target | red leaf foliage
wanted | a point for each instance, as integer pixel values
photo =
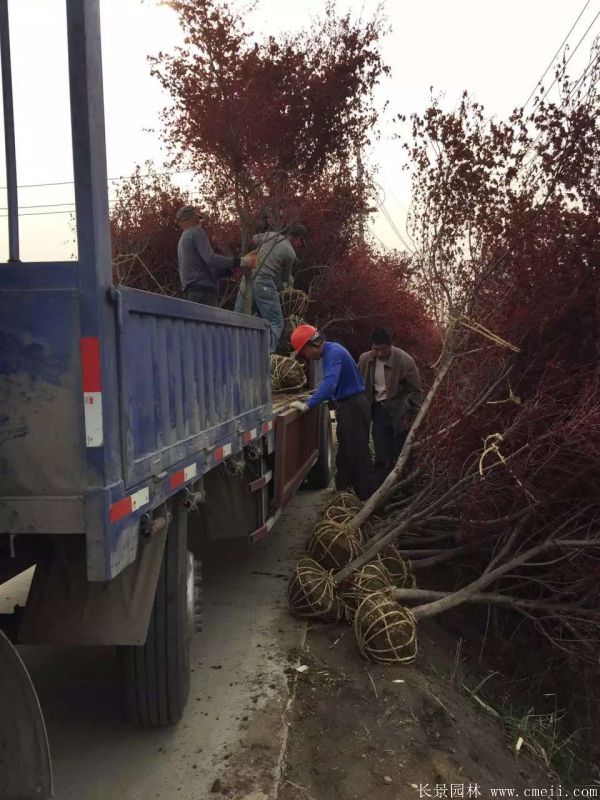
(364, 290)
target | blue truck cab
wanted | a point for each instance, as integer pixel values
(133, 427)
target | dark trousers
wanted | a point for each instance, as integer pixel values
(388, 442)
(354, 469)
(200, 296)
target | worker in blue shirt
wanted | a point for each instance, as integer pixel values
(343, 384)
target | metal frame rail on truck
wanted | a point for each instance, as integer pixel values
(122, 414)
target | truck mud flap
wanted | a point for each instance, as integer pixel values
(25, 767)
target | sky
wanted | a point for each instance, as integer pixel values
(496, 50)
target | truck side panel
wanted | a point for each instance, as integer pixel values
(190, 376)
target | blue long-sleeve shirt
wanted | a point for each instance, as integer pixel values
(341, 377)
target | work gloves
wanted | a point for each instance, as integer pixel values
(249, 260)
(299, 406)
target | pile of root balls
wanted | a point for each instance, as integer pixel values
(294, 305)
(288, 375)
(385, 631)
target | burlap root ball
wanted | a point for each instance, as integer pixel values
(312, 592)
(399, 568)
(385, 631)
(294, 302)
(286, 374)
(333, 545)
(373, 577)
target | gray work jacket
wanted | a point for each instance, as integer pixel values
(402, 382)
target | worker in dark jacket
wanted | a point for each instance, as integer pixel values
(343, 384)
(393, 389)
(200, 268)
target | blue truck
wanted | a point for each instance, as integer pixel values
(133, 428)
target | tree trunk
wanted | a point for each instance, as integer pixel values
(493, 598)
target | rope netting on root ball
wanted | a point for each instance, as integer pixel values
(342, 516)
(385, 631)
(284, 346)
(294, 302)
(333, 545)
(373, 577)
(347, 500)
(399, 568)
(312, 592)
(286, 374)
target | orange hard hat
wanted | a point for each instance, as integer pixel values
(301, 336)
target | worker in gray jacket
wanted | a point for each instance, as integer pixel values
(393, 388)
(275, 256)
(200, 268)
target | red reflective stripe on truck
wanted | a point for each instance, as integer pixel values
(127, 505)
(183, 475)
(120, 509)
(91, 376)
(177, 479)
(91, 380)
(223, 452)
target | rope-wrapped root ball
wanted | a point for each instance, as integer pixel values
(338, 514)
(346, 500)
(286, 374)
(373, 577)
(294, 302)
(284, 345)
(386, 632)
(399, 568)
(343, 516)
(334, 545)
(312, 592)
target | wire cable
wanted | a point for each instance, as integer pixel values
(554, 57)
(577, 46)
(109, 180)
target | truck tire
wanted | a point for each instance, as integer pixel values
(156, 675)
(321, 474)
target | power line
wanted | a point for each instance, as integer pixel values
(109, 180)
(41, 213)
(553, 59)
(385, 247)
(71, 205)
(577, 46)
(588, 71)
(395, 229)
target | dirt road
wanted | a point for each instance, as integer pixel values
(356, 731)
(231, 738)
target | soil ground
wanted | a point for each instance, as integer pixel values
(256, 728)
(367, 732)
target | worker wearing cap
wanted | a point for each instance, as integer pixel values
(343, 384)
(200, 268)
(275, 258)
